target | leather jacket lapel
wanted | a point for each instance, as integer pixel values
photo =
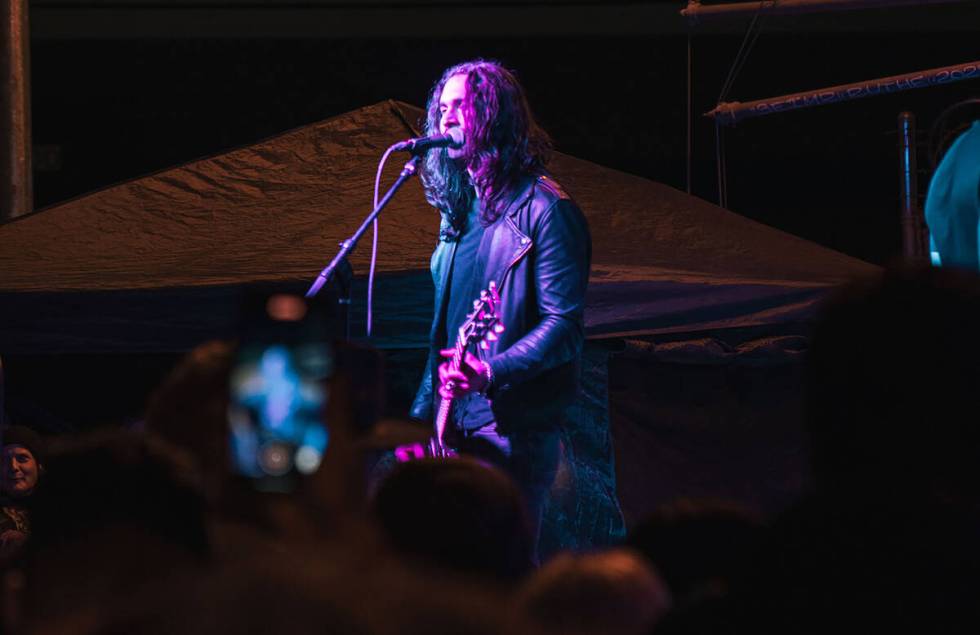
(509, 244)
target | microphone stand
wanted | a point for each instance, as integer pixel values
(348, 245)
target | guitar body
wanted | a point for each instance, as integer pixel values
(437, 446)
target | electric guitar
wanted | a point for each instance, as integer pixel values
(481, 327)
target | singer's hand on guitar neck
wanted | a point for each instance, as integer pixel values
(471, 376)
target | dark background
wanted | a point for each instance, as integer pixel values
(123, 89)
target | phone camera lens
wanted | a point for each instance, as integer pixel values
(275, 458)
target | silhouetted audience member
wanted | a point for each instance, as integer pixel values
(699, 547)
(611, 592)
(127, 552)
(312, 593)
(20, 474)
(460, 514)
(952, 206)
(120, 513)
(887, 539)
(893, 375)
(190, 409)
(124, 550)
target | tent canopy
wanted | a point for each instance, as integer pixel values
(156, 264)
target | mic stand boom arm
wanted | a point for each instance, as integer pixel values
(348, 245)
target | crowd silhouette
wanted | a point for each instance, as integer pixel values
(151, 530)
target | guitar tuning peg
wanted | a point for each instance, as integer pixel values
(485, 345)
(476, 304)
(498, 328)
(492, 337)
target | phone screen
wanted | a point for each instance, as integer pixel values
(278, 397)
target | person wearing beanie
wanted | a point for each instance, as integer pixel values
(19, 476)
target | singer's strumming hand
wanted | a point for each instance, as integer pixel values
(471, 376)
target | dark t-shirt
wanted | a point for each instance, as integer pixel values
(473, 410)
(15, 529)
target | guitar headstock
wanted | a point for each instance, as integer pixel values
(482, 324)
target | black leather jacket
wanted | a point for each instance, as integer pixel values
(538, 252)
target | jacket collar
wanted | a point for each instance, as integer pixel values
(519, 193)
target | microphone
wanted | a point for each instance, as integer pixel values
(453, 138)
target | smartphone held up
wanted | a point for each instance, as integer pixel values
(279, 390)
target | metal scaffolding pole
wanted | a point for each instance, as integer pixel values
(731, 112)
(696, 12)
(910, 214)
(16, 186)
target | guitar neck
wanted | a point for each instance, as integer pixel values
(445, 405)
(442, 417)
(472, 331)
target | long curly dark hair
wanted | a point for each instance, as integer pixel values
(503, 141)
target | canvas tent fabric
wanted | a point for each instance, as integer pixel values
(158, 264)
(155, 264)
